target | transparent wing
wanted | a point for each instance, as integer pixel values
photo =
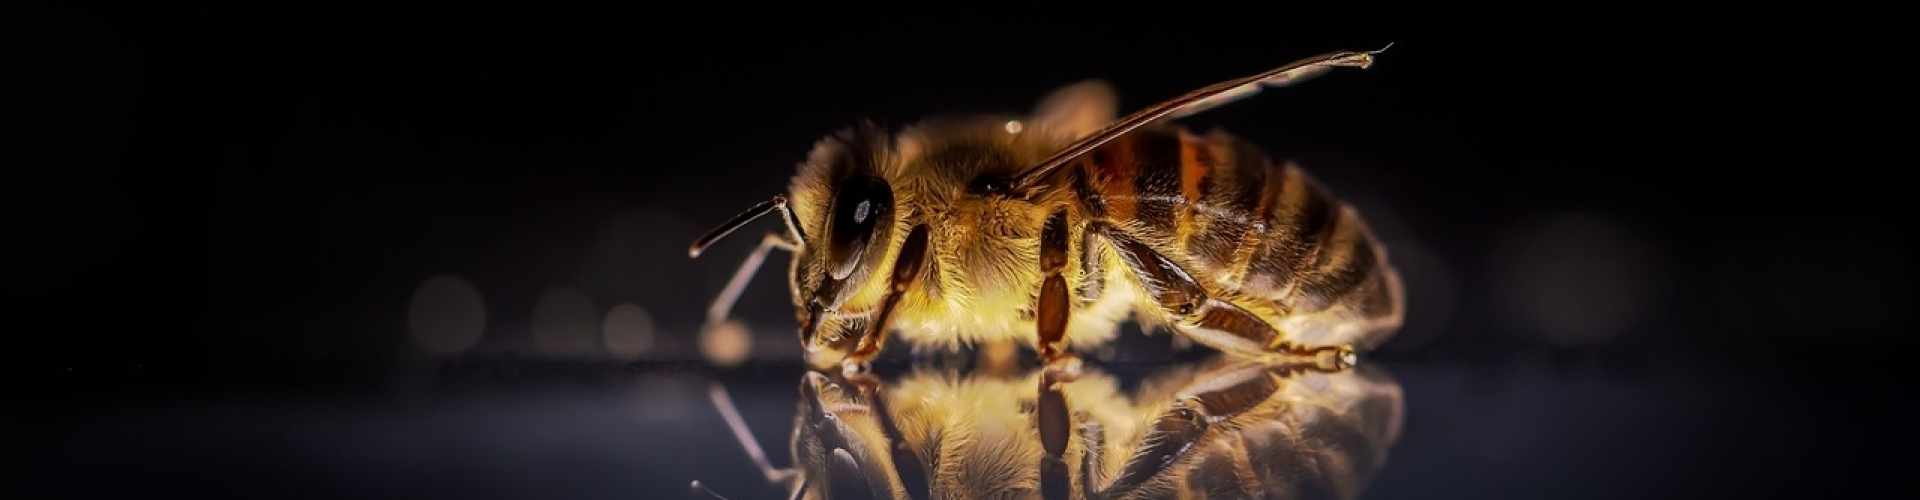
(1077, 110)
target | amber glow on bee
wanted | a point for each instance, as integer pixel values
(1052, 229)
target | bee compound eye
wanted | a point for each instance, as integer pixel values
(860, 210)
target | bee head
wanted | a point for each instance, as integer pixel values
(836, 442)
(845, 201)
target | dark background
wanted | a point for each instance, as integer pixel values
(1644, 260)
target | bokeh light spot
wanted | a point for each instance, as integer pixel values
(446, 315)
(726, 343)
(627, 331)
(564, 323)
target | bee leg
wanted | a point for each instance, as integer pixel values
(723, 402)
(1093, 441)
(912, 477)
(1052, 309)
(1229, 392)
(906, 268)
(1053, 419)
(723, 304)
(1211, 321)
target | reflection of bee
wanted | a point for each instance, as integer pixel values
(1230, 430)
(985, 228)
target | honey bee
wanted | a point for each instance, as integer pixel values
(1230, 428)
(1052, 229)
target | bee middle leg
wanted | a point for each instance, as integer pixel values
(1052, 307)
(1212, 321)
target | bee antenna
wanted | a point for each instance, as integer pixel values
(702, 488)
(1379, 50)
(758, 210)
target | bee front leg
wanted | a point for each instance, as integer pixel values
(1052, 308)
(906, 268)
(722, 305)
(1211, 321)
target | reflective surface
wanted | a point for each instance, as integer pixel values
(262, 251)
(1532, 427)
(1219, 428)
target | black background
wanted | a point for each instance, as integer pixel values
(217, 214)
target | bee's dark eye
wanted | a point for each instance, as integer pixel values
(844, 477)
(861, 209)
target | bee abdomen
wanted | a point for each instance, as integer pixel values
(1313, 250)
(1250, 227)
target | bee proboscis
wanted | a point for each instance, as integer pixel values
(1052, 229)
(1230, 428)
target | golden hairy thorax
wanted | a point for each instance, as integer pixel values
(984, 279)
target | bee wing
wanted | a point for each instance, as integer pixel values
(1076, 110)
(1281, 79)
(1030, 180)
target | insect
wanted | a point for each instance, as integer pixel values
(1052, 229)
(1228, 428)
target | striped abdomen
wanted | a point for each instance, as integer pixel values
(1267, 237)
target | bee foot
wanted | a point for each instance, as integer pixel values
(1333, 359)
(1345, 357)
(853, 368)
(865, 380)
(1064, 368)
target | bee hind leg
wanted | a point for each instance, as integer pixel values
(1217, 323)
(1053, 308)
